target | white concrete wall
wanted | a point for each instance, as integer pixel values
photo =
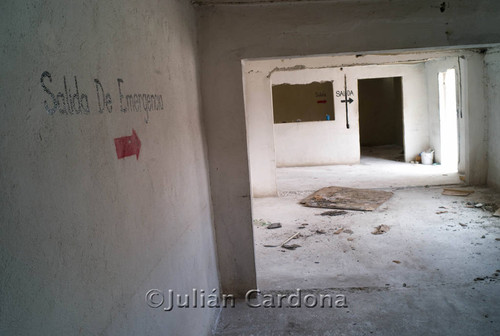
(310, 143)
(492, 71)
(83, 234)
(314, 143)
(230, 33)
(475, 119)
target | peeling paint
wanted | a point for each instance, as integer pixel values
(293, 68)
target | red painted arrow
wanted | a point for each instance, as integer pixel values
(128, 145)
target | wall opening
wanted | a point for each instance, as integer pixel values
(381, 115)
(448, 119)
(303, 102)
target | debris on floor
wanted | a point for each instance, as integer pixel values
(338, 231)
(348, 231)
(456, 192)
(295, 235)
(290, 247)
(320, 231)
(333, 213)
(497, 213)
(396, 261)
(492, 278)
(381, 229)
(441, 212)
(260, 222)
(347, 198)
(490, 207)
(274, 226)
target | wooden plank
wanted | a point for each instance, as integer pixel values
(347, 198)
(456, 192)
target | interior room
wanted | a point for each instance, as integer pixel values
(250, 167)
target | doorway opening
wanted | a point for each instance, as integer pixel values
(448, 119)
(294, 150)
(381, 132)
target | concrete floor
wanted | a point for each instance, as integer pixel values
(380, 167)
(416, 279)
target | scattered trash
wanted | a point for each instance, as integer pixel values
(492, 278)
(338, 231)
(348, 231)
(489, 208)
(290, 247)
(456, 192)
(441, 212)
(464, 225)
(260, 222)
(483, 236)
(497, 239)
(396, 261)
(333, 213)
(320, 231)
(286, 241)
(303, 226)
(381, 229)
(274, 226)
(350, 239)
(404, 284)
(497, 213)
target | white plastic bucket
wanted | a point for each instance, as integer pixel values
(427, 158)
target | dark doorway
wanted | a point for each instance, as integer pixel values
(381, 117)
